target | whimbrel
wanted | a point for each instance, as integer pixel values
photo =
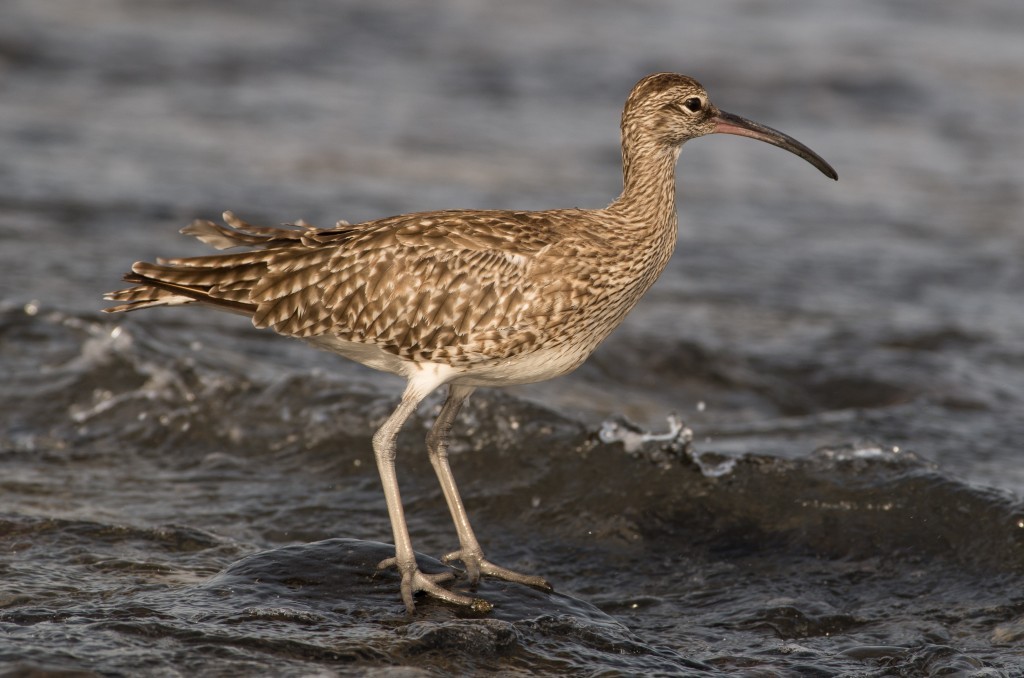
(465, 298)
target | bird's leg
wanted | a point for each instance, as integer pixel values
(470, 553)
(413, 580)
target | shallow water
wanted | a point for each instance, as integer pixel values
(182, 494)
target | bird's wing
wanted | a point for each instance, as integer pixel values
(454, 286)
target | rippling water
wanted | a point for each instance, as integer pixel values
(181, 494)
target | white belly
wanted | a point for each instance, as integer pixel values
(526, 368)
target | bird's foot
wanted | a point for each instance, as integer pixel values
(413, 581)
(476, 565)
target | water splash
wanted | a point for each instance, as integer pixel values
(674, 446)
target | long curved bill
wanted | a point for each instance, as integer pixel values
(727, 123)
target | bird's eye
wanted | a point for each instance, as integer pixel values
(693, 104)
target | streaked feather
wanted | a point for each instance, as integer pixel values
(461, 285)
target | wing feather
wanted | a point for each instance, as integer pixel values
(462, 286)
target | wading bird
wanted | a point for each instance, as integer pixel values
(466, 298)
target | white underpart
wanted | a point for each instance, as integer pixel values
(525, 368)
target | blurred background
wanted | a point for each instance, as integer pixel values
(882, 312)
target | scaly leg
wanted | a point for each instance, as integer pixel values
(470, 553)
(413, 580)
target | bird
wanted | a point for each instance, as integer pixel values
(460, 298)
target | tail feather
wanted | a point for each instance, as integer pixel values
(238, 233)
(137, 298)
(210, 272)
(224, 280)
(149, 292)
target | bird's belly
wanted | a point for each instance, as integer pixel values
(367, 354)
(523, 368)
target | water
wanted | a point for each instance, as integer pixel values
(181, 494)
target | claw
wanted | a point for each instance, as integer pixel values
(414, 581)
(476, 565)
(472, 565)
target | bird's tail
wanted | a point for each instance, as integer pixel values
(223, 280)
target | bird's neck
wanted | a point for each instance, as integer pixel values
(648, 197)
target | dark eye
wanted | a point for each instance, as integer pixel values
(693, 104)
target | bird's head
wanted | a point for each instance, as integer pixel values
(669, 109)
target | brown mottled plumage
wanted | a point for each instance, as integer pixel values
(465, 298)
